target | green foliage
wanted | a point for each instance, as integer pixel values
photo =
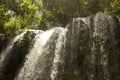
(43, 14)
(115, 8)
(20, 14)
(64, 10)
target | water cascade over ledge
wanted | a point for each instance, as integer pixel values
(87, 49)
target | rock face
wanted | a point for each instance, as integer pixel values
(93, 48)
(87, 49)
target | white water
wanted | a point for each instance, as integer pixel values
(29, 69)
(9, 47)
(58, 50)
(83, 51)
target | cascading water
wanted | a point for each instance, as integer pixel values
(9, 47)
(7, 62)
(87, 49)
(44, 56)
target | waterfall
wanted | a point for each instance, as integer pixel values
(87, 49)
(42, 50)
(9, 47)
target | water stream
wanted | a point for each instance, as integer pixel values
(87, 49)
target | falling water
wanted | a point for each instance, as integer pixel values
(87, 49)
(9, 47)
(31, 70)
(5, 53)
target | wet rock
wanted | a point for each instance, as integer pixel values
(89, 49)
